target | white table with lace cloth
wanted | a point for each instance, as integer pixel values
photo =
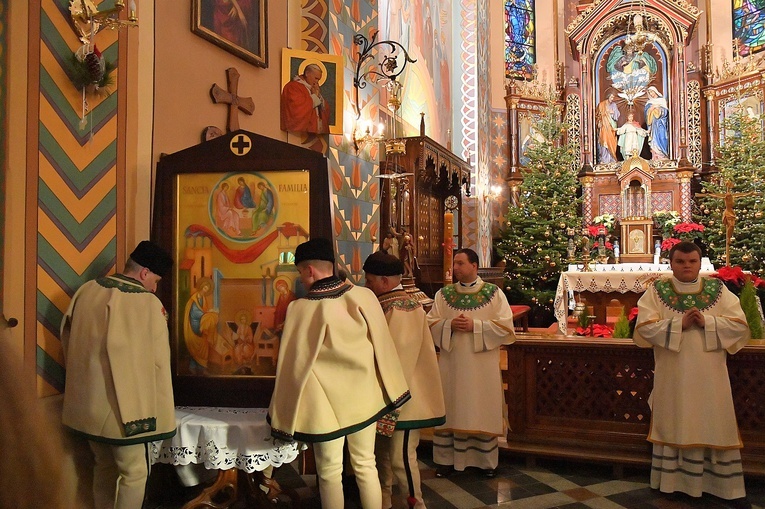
(226, 439)
(621, 278)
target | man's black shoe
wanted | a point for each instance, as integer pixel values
(491, 473)
(444, 470)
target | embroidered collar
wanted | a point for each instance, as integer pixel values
(328, 288)
(122, 283)
(398, 299)
(467, 301)
(705, 298)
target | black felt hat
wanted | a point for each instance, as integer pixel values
(149, 255)
(383, 264)
(315, 249)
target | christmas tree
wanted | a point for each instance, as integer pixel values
(740, 163)
(534, 236)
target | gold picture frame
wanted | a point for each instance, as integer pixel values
(237, 26)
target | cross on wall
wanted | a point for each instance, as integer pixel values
(232, 99)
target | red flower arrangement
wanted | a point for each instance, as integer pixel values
(669, 243)
(681, 228)
(737, 277)
(596, 330)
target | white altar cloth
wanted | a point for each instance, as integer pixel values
(611, 278)
(706, 266)
(223, 438)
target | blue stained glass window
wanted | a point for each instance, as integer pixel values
(749, 25)
(520, 38)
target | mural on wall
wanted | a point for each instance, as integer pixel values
(76, 189)
(235, 239)
(424, 29)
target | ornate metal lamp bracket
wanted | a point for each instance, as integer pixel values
(391, 62)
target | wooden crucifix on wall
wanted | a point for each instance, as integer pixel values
(231, 97)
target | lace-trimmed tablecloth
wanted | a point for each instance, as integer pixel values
(223, 438)
(602, 281)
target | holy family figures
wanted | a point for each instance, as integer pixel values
(630, 136)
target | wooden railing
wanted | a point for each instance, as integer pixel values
(588, 399)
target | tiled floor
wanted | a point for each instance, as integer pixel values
(549, 484)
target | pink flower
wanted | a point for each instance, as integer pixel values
(633, 314)
(669, 243)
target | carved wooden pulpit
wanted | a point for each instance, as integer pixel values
(417, 204)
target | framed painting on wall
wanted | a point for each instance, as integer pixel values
(232, 211)
(237, 26)
(302, 70)
(746, 104)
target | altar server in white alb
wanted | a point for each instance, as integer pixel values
(692, 323)
(396, 449)
(119, 393)
(337, 374)
(469, 321)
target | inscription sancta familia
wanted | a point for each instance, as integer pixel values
(195, 190)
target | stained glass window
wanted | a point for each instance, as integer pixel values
(749, 25)
(520, 38)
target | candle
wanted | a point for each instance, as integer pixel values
(448, 246)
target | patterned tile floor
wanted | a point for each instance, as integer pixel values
(551, 484)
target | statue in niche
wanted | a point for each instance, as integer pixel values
(606, 117)
(657, 119)
(631, 137)
(630, 71)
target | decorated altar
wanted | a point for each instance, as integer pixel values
(602, 283)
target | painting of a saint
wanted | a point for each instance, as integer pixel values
(303, 107)
(238, 26)
(312, 95)
(252, 211)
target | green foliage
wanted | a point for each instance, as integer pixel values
(82, 77)
(583, 320)
(740, 161)
(748, 300)
(622, 327)
(534, 237)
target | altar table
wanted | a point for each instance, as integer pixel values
(228, 439)
(609, 278)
